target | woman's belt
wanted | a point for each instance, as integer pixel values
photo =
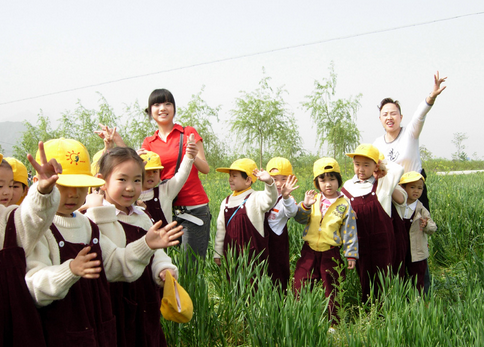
(182, 212)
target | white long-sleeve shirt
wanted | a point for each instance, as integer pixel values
(280, 214)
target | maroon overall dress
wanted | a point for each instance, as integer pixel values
(401, 244)
(137, 304)
(240, 231)
(84, 317)
(278, 246)
(375, 238)
(20, 324)
(154, 208)
(417, 268)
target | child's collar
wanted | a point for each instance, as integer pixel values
(240, 191)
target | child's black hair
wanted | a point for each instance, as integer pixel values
(6, 165)
(160, 96)
(116, 156)
(336, 175)
(244, 175)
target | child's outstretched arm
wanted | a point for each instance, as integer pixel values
(34, 216)
(303, 214)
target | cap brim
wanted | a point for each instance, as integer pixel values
(225, 169)
(154, 168)
(79, 181)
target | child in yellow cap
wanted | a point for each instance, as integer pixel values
(330, 227)
(20, 181)
(371, 191)
(419, 225)
(242, 214)
(158, 196)
(20, 229)
(69, 269)
(277, 217)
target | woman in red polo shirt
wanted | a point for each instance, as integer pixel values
(192, 209)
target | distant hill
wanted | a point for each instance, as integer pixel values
(9, 135)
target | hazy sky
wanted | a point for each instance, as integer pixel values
(379, 48)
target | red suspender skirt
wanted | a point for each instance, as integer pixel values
(137, 304)
(278, 246)
(154, 208)
(401, 244)
(240, 231)
(84, 317)
(375, 237)
(19, 320)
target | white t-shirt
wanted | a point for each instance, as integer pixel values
(405, 149)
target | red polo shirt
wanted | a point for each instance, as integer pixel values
(192, 192)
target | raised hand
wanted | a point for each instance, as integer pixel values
(263, 176)
(289, 186)
(437, 88)
(165, 237)
(84, 266)
(47, 171)
(192, 149)
(309, 198)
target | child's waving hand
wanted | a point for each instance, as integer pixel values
(309, 198)
(289, 186)
(165, 237)
(263, 176)
(46, 171)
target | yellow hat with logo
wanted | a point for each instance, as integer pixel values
(366, 150)
(245, 165)
(176, 305)
(324, 165)
(76, 165)
(20, 173)
(153, 161)
(411, 176)
(279, 166)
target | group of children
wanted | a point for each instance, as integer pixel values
(90, 278)
(375, 220)
(95, 276)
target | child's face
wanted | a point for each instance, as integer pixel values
(18, 191)
(152, 179)
(414, 190)
(237, 182)
(328, 185)
(364, 167)
(6, 185)
(123, 186)
(280, 180)
(71, 198)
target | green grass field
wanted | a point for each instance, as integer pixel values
(233, 314)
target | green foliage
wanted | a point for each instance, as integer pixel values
(261, 120)
(334, 119)
(136, 127)
(459, 138)
(199, 115)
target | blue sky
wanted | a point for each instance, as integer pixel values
(378, 48)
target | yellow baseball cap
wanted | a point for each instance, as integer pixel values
(245, 165)
(176, 305)
(324, 165)
(1, 156)
(95, 159)
(279, 166)
(366, 150)
(19, 170)
(76, 165)
(411, 176)
(153, 161)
